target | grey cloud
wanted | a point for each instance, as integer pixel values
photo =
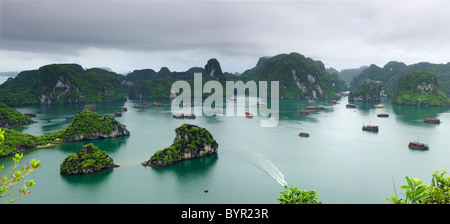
(340, 33)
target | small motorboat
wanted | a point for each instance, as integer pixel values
(248, 115)
(350, 105)
(137, 106)
(157, 104)
(117, 114)
(383, 115)
(124, 108)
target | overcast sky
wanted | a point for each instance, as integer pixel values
(128, 35)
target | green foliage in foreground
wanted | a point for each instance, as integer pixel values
(15, 175)
(294, 195)
(418, 192)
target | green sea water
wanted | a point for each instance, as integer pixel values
(340, 161)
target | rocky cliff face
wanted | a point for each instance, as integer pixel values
(89, 159)
(190, 142)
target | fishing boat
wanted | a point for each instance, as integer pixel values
(91, 106)
(189, 115)
(117, 114)
(304, 112)
(383, 115)
(432, 120)
(370, 128)
(417, 145)
(303, 134)
(30, 114)
(178, 115)
(248, 115)
(157, 104)
(137, 106)
(350, 105)
(378, 106)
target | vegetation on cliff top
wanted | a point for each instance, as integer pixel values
(369, 91)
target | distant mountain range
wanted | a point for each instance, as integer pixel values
(299, 77)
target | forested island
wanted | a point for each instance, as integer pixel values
(88, 160)
(86, 125)
(190, 142)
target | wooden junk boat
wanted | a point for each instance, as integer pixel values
(383, 115)
(417, 145)
(350, 105)
(432, 120)
(248, 115)
(178, 115)
(183, 115)
(370, 128)
(303, 134)
(189, 115)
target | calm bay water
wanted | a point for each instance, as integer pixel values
(342, 163)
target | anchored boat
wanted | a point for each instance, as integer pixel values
(370, 128)
(432, 120)
(303, 134)
(417, 145)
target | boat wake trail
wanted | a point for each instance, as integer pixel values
(273, 171)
